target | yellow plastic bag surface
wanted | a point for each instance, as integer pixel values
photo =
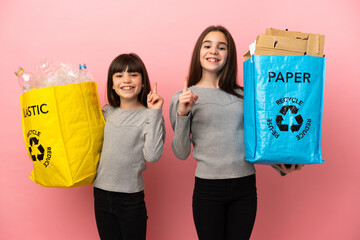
(63, 130)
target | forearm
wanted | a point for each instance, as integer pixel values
(181, 144)
(155, 136)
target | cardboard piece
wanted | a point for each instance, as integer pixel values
(288, 43)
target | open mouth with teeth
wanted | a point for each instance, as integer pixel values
(127, 88)
(212, 59)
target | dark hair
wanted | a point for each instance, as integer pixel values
(228, 74)
(130, 63)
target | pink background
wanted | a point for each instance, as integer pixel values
(319, 202)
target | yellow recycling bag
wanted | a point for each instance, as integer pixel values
(63, 130)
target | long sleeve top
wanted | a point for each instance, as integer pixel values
(215, 126)
(131, 137)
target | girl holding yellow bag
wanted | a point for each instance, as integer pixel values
(134, 133)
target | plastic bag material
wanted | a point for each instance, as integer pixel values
(283, 102)
(63, 130)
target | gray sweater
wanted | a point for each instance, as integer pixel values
(215, 127)
(131, 137)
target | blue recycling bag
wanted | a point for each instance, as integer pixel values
(283, 102)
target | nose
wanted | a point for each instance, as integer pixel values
(126, 79)
(214, 51)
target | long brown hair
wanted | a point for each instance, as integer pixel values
(228, 74)
(130, 63)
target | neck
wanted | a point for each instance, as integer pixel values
(209, 80)
(130, 104)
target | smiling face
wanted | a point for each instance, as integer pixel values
(213, 52)
(127, 85)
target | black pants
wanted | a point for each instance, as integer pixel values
(120, 216)
(224, 209)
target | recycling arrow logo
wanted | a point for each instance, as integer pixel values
(36, 150)
(293, 111)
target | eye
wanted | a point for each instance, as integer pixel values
(222, 48)
(134, 74)
(118, 75)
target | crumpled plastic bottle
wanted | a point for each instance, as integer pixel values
(55, 73)
(49, 73)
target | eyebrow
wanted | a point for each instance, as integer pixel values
(208, 41)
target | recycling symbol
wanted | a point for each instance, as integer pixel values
(36, 150)
(293, 111)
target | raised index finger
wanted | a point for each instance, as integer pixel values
(155, 88)
(185, 85)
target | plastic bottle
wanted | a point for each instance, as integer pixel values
(25, 79)
(84, 74)
(47, 71)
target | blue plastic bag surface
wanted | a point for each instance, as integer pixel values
(283, 102)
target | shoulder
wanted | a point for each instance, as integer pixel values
(106, 107)
(176, 94)
(175, 97)
(239, 91)
(107, 110)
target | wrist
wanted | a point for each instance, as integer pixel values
(183, 114)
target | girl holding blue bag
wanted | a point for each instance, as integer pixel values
(134, 133)
(208, 112)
